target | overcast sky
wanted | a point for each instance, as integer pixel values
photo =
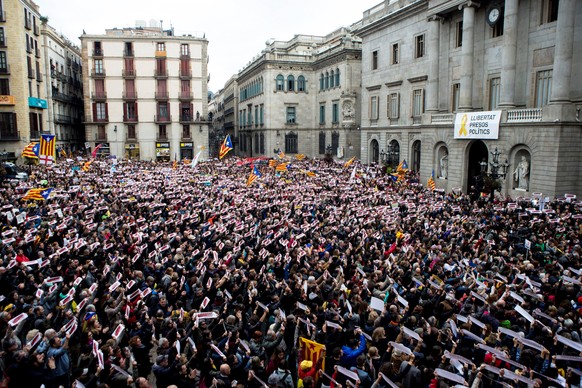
(236, 30)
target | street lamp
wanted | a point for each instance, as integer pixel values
(497, 171)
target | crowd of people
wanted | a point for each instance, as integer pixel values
(157, 274)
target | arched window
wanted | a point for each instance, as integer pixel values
(321, 80)
(416, 156)
(301, 83)
(280, 81)
(393, 153)
(335, 137)
(331, 79)
(322, 142)
(290, 83)
(337, 77)
(326, 80)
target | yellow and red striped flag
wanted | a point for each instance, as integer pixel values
(48, 149)
(431, 183)
(349, 162)
(37, 194)
(300, 156)
(225, 147)
(31, 151)
(311, 351)
(272, 163)
(282, 167)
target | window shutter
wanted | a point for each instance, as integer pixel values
(397, 105)
(106, 111)
(94, 111)
(136, 114)
(422, 100)
(125, 110)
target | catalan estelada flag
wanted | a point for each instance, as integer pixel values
(31, 151)
(431, 183)
(272, 163)
(402, 166)
(48, 149)
(349, 162)
(281, 154)
(225, 147)
(37, 194)
(311, 351)
(175, 165)
(282, 167)
(253, 176)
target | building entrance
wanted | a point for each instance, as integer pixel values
(477, 153)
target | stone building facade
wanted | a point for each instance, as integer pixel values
(146, 93)
(300, 97)
(429, 67)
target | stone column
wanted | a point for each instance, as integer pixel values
(432, 87)
(507, 98)
(563, 53)
(466, 97)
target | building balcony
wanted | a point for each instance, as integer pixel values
(185, 74)
(128, 53)
(101, 137)
(98, 73)
(30, 74)
(162, 137)
(161, 53)
(28, 49)
(524, 115)
(97, 52)
(62, 119)
(162, 95)
(130, 119)
(163, 119)
(130, 95)
(27, 24)
(5, 69)
(187, 135)
(442, 118)
(101, 119)
(99, 95)
(128, 73)
(185, 55)
(9, 135)
(186, 118)
(37, 52)
(60, 96)
(36, 30)
(3, 16)
(161, 73)
(38, 76)
(3, 42)
(185, 96)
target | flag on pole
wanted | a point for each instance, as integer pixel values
(431, 183)
(86, 166)
(175, 165)
(353, 175)
(94, 153)
(281, 154)
(402, 166)
(37, 194)
(225, 147)
(63, 153)
(253, 176)
(31, 151)
(282, 167)
(195, 160)
(349, 162)
(48, 149)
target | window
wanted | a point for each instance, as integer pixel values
(321, 82)
(395, 54)
(322, 143)
(256, 143)
(162, 132)
(322, 114)
(2, 37)
(494, 92)
(262, 143)
(497, 28)
(419, 46)
(335, 142)
(291, 143)
(416, 156)
(161, 66)
(279, 82)
(186, 132)
(131, 111)
(161, 46)
(261, 114)
(8, 125)
(290, 115)
(417, 105)
(375, 60)
(97, 50)
(327, 80)
(101, 132)
(101, 111)
(4, 87)
(35, 124)
(131, 134)
(290, 83)
(394, 105)
(256, 115)
(373, 108)
(459, 34)
(337, 77)
(186, 112)
(3, 62)
(163, 111)
(331, 79)
(184, 50)
(301, 83)
(128, 50)
(98, 66)
(543, 88)
(549, 11)
(456, 94)
(335, 113)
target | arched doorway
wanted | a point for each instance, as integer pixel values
(415, 156)
(374, 151)
(477, 153)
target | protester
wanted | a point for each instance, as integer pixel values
(318, 274)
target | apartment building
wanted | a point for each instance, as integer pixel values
(466, 89)
(23, 101)
(64, 89)
(146, 93)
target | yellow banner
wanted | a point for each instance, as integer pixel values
(312, 351)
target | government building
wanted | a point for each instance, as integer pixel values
(146, 93)
(472, 89)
